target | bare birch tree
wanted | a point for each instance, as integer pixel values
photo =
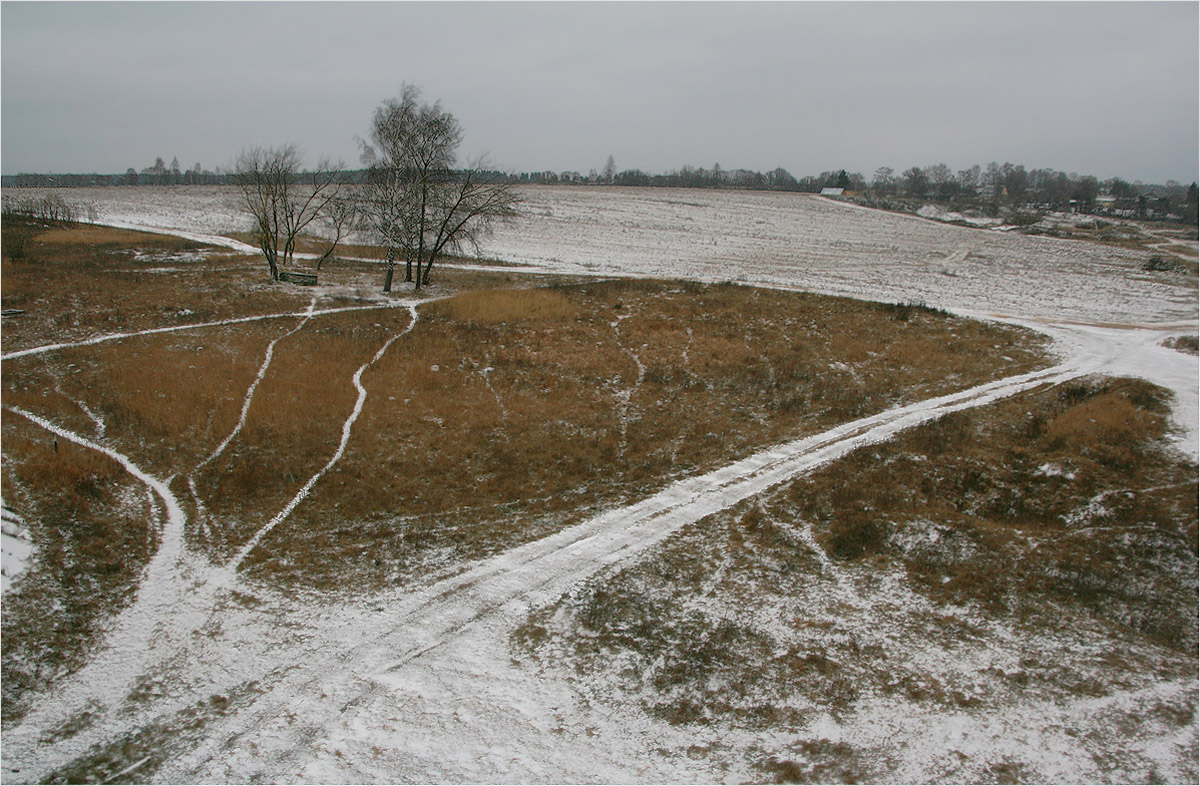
(283, 200)
(414, 199)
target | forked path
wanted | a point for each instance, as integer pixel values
(176, 597)
(426, 690)
(420, 686)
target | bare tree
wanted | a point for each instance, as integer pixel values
(968, 179)
(884, 179)
(414, 200)
(610, 169)
(462, 213)
(916, 183)
(337, 220)
(282, 200)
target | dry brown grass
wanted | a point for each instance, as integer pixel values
(484, 429)
(515, 306)
(293, 425)
(1079, 471)
(82, 281)
(1187, 344)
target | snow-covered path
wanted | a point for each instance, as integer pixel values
(430, 655)
(88, 342)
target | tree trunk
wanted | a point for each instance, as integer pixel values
(391, 266)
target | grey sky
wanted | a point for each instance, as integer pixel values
(1109, 89)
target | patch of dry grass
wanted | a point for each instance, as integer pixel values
(1187, 344)
(293, 425)
(1066, 495)
(491, 307)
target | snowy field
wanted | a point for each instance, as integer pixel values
(420, 685)
(774, 239)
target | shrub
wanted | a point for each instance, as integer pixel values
(51, 207)
(854, 534)
(1024, 218)
(1160, 264)
(1188, 344)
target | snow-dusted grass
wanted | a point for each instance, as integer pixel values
(937, 586)
(104, 288)
(17, 547)
(94, 530)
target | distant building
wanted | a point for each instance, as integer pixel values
(832, 191)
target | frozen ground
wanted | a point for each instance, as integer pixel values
(419, 685)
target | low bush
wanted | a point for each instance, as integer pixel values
(1161, 264)
(853, 534)
(1188, 344)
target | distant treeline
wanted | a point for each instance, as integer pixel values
(993, 189)
(188, 178)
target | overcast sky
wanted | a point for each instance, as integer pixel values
(1103, 88)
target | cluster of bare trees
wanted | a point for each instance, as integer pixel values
(415, 200)
(412, 199)
(286, 202)
(1013, 186)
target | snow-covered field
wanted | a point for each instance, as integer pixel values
(775, 239)
(420, 685)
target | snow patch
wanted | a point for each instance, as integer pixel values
(16, 546)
